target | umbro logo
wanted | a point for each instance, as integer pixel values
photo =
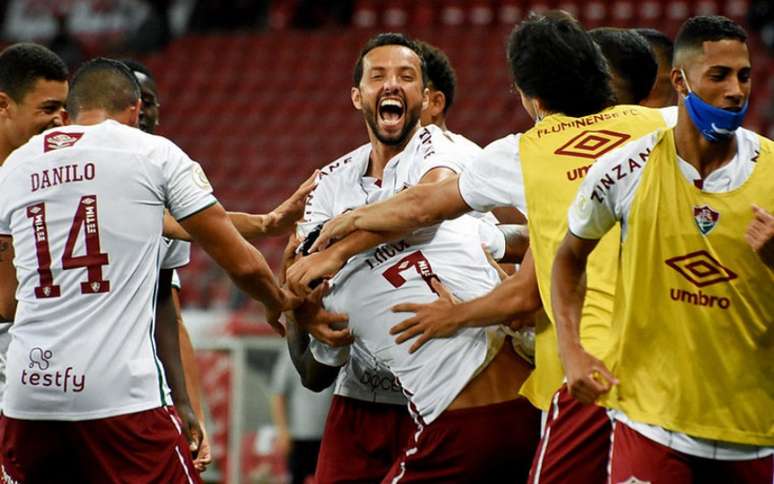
(701, 269)
(58, 140)
(592, 144)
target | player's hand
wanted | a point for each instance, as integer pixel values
(317, 266)
(435, 320)
(284, 217)
(286, 302)
(334, 229)
(190, 427)
(587, 377)
(760, 235)
(288, 256)
(204, 456)
(330, 328)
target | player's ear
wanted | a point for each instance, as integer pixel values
(437, 103)
(357, 99)
(134, 113)
(425, 98)
(678, 81)
(5, 104)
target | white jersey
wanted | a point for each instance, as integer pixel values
(495, 179)
(84, 205)
(371, 283)
(341, 186)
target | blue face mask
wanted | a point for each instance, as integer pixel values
(715, 124)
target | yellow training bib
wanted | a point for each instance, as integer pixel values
(555, 156)
(694, 315)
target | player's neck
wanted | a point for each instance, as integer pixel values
(382, 153)
(5, 149)
(90, 117)
(702, 154)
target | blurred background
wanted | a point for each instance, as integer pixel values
(258, 92)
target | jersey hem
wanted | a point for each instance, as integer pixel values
(75, 417)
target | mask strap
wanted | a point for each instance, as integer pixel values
(685, 78)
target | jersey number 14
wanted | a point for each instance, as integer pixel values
(85, 220)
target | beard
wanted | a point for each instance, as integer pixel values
(409, 123)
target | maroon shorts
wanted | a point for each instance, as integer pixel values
(636, 458)
(141, 447)
(576, 443)
(492, 444)
(361, 440)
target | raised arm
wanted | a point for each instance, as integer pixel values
(760, 235)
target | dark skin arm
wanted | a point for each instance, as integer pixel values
(587, 377)
(168, 346)
(7, 280)
(516, 242)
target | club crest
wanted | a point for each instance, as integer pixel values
(706, 218)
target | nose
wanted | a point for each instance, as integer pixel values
(58, 118)
(736, 91)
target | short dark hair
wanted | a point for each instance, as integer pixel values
(554, 59)
(440, 73)
(103, 83)
(137, 66)
(23, 64)
(388, 38)
(660, 42)
(709, 28)
(630, 59)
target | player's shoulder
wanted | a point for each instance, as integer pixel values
(669, 114)
(354, 162)
(507, 146)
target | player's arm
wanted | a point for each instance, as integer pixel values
(279, 221)
(760, 235)
(167, 340)
(314, 375)
(214, 232)
(327, 262)
(425, 204)
(7, 280)
(516, 242)
(191, 374)
(515, 298)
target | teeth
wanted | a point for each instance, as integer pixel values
(391, 102)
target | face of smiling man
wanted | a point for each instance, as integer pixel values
(391, 93)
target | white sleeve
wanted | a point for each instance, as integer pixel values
(433, 161)
(607, 191)
(492, 237)
(176, 280)
(318, 206)
(669, 114)
(177, 254)
(494, 178)
(187, 189)
(328, 355)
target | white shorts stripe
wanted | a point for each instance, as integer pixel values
(182, 463)
(546, 437)
(610, 454)
(413, 450)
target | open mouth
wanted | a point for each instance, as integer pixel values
(391, 111)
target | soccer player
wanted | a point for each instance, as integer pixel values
(632, 68)
(366, 391)
(694, 350)
(663, 93)
(564, 84)
(33, 90)
(87, 397)
(390, 69)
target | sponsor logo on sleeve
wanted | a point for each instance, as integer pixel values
(706, 218)
(199, 178)
(58, 140)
